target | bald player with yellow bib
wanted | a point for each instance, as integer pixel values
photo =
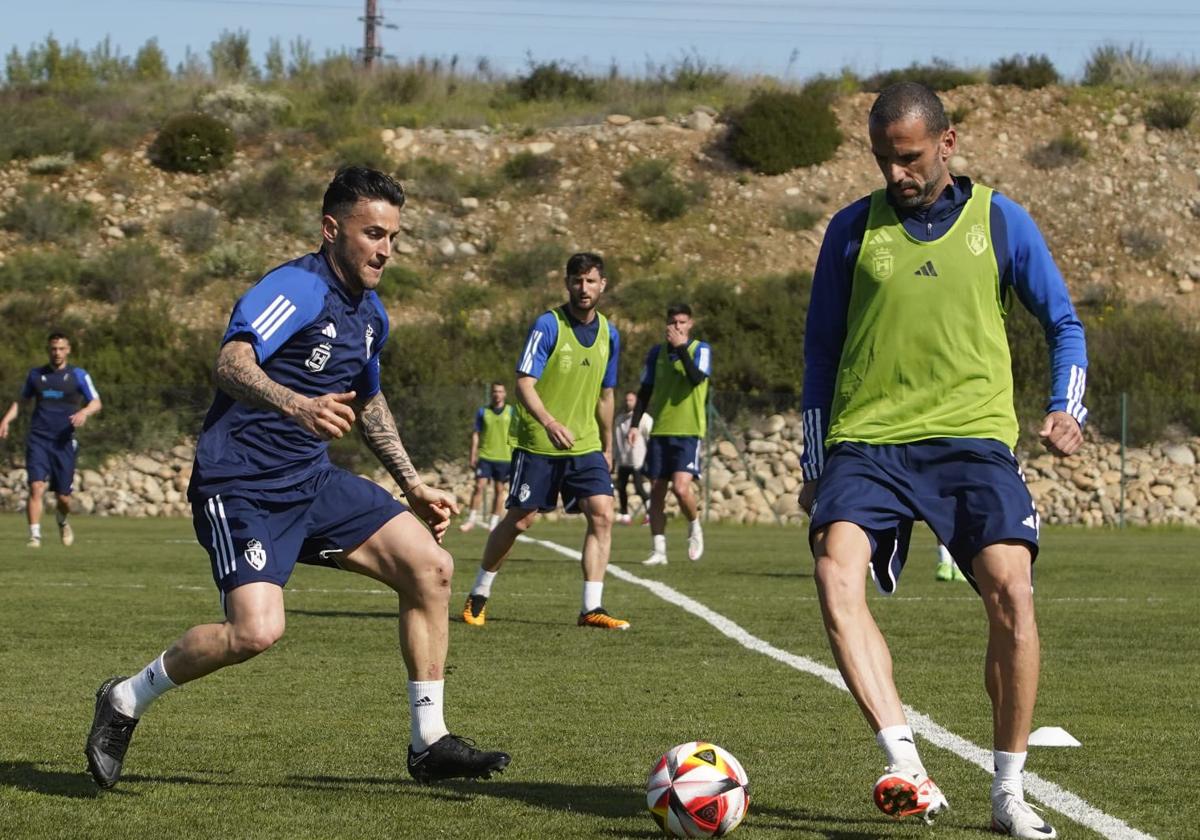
(562, 436)
(908, 415)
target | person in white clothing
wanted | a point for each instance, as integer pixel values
(630, 455)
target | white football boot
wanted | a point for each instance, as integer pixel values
(1013, 816)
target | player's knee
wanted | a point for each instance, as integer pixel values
(681, 487)
(1010, 602)
(524, 523)
(432, 574)
(834, 585)
(250, 640)
(602, 520)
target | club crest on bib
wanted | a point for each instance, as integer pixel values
(319, 357)
(977, 240)
(883, 263)
(255, 555)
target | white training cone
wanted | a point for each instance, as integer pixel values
(1052, 736)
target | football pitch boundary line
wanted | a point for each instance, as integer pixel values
(1051, 795)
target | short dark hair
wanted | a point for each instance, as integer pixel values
(909, 99)
(583, 262)
(55, 336)
(352, 183)
(499, 385)
(678, 309)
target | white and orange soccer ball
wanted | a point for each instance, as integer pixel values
(697, 789)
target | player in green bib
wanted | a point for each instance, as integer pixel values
(908, 415)
(491, 455)
(675, 393)
(562, 438)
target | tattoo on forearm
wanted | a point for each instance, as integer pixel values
(241, 378)
(383, 439)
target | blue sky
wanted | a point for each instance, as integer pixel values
(779, 37)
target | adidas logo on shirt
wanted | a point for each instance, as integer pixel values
(926, 270)
(330, 330)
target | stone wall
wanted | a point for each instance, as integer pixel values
(753, 479)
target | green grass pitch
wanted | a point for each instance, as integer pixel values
(308, 740)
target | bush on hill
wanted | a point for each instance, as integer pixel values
(1171, 111)
(195, 142)
(1063, 150)
(553, 81)
(938, 75)
(656, 192)
(778, 131)
(42, 216)
(1027, 72)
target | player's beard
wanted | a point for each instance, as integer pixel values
(926, 193)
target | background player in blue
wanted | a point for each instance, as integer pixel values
(906, 324)
(674, 390)
(491, 455)
(64, 398)
(299, 365)
(563, 438)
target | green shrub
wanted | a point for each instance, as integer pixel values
(1142, 242)
(46, 217)
(798, 217)
(128, 272)
(38, 271)
(1028, 72)
(1063, 150)
(529, 268)
(276, 191)
(248, 111)
(1171, 111)
(1111, 65)
(778, 131)
(692, 73)
(400, 284)
(194, 142)
(553, 81)
(234, 261)
(430, 180)
(51, 164)
(938, 75)
(45, 126)
(195, 228)
(656, 192)
(528, 167)
(398, 85)
(365, 150)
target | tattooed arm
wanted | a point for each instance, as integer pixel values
(379, 430)
(239, 375)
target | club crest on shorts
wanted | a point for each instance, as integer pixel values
(523, 493)
(319, 357)
(977, 240)
(255, 555)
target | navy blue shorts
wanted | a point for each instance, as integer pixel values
(669, 454)
(51, 462)
(970, 491)
(538, 480)
(495, 470)
(251, 537)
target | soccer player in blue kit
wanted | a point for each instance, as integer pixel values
(908, 414)
(64, 398)
(298, 366)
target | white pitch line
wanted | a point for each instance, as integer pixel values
(1048, 793)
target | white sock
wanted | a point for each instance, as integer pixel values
(944, 555)
(660, 543)
(900, 746)
(1008, 772)
(593, 594)
(35, 531)
(133, 696)
(483, 583)
(494, 521)
(694, 527)
(425, 709)
(473, 516)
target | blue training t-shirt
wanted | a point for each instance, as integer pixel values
(310, 335)
(543, 335)
(57, 394)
